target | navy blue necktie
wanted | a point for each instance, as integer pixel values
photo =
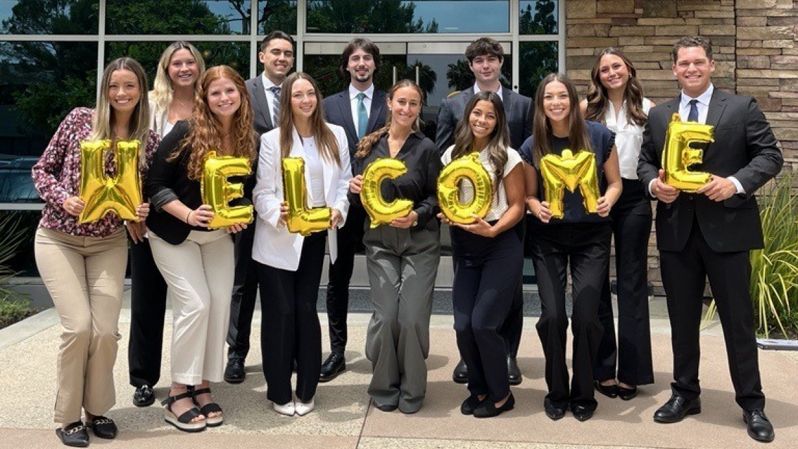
(693, 115)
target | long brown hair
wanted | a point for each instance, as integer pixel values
(499, 137)
(367, 142)
(325, 139)
(205, 133)
(598, 99)
(541, 128)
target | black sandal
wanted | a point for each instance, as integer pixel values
(74, 434)
(103, 427)
(207, 409)
(184, 421)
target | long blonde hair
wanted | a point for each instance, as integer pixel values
(367, 142)
(162, 89)
(205, 133)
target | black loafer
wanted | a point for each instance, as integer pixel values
(74, 434)
(234, 372)
(488, 409)
(677, 408)
(553, 411)
(385, 407)
(332, 367)
(582, 412)
(513, 372)
(759, 426)
(103, 427)
(627, 393)
(611, 391)
(460, 373)
(144, 396)
(469, 405)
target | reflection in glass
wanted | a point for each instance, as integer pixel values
(537, 59)
(419, 16)
(177, 17)
(277, 15)
(48, 17)
(538, 16)
(234, 54)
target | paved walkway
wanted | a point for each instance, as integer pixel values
(344, 419)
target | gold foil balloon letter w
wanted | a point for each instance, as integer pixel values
(381, 211)
(218, 192)
(464, 168)
(679, 153)
(301, 218)
(570, 171)
(101, 193)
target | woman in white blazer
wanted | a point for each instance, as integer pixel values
(288, 264)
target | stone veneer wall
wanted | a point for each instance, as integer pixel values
(755, 44)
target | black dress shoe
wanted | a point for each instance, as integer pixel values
(488, 409)
(332, 367)
(234, 372)
(677, 408)
(513, 372)
(74, 434)
(385, 407)
(759, 426)
(627, 393)
(103, 427)
(470, 404)
(553, 411)
(460, 373)
(611, 391)
(144, 396)
(582, 412)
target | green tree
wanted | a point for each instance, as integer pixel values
(366, 16)
(278, 15)
(541, 21)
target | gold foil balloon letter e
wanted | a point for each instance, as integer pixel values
(464, 168)
(570, 171)
(101, 193)
(679, 154)
(381, 211)
(218, 192)
(301, 218)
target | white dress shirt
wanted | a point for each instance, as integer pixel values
(353, 101)
(628, 137)
(498, 92)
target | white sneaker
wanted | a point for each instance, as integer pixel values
(286, 409)
(303, 408)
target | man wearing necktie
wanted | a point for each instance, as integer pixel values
(360, 110)
(277, 56)
(708, 234)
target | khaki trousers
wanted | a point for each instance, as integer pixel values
(84, 276)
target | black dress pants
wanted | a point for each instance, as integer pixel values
(147, 308)
(290, 326)
(245, 288)
(350, 240)
(631, 228)
(586, 248)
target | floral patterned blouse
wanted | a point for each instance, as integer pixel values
(57, 176)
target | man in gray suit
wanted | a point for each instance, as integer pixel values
(277, 56)
(485, 58)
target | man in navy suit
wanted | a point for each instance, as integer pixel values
(708, 234)
(485, 57)
(360, 110)
(277, 56)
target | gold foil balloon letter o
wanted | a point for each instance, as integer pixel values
(381, 211)
(679, 154)
(570, 171)
(467, 167)
(101, 193)
(301, 219)
(217, 192)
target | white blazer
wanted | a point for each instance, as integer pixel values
(274, 245)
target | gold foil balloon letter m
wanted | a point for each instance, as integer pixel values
(570, 171)
(381, 211)
(679, 154)
(301, 218)
(101, 193)
(467, 167)
(217, 192)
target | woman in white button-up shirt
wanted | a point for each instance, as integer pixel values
(615, 98)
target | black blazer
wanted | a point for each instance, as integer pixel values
(261, 111)
(517, 107)
(744, 147)
(338, 111)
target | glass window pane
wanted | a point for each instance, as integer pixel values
(177, 17)
(538, 16)
(418, 16)
(39, 83)
(277, 15)
(36, 17)
(537, 59)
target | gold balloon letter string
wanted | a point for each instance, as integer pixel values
(101, 193)
(678, 154)
(217, 192)
(570, 171)
(301, 218)
(467, 167)
(381, 211)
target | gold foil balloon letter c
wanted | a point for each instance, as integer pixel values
(381, 211)
(570, 171)
(301, 218)
(464, 168)
(679, 154)
(217, 192)
(101, 193)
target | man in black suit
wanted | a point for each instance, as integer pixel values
(485, 57)
(360, 110)
(277, 56)
(709, 233)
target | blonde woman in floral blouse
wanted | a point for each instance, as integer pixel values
(83, 265)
